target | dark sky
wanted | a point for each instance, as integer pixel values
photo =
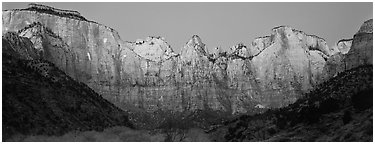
(221, 24)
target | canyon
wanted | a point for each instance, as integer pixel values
(270, 72)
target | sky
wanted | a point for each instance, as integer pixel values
(221, 24)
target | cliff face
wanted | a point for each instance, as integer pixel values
(272, 72)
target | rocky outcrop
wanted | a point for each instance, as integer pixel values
(18, 46)
(259, 44)
(360, 52)
(272, 72)
(352, 52)
(344, 45)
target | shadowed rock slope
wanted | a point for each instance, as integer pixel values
(39, 99)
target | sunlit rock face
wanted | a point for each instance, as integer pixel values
(289, 66)
(272, 71)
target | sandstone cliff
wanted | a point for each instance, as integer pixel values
(272, 72)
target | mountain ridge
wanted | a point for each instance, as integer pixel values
(108, 65)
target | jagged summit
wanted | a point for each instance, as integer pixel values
(196, 40)
(194, 47)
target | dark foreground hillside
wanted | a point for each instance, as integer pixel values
(338, 110)
(39, 99)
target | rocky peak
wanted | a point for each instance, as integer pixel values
(194, 48)
(153, 48)
(196, 40)
(239, 50)
(291, 36)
